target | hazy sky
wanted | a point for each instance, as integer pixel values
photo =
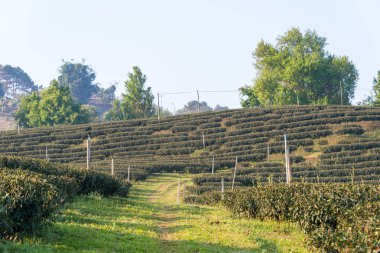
(179, 45)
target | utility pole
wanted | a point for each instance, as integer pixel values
(199, 106)
(158, 112)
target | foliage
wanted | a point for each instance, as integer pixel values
(2, 90)
(376, 89)
(54, 106)
(324, 216)
(15, 80)
(79, 78)
(192, 107)
(298, 70)
(137, 101)
(26, 200)
(105, 95)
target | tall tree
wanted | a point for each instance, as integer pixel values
(15, 81)
(54, 106)
(376, 89)
(299, 70)
(79, 78)
(136, 102)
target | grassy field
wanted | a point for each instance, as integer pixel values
(151, 221)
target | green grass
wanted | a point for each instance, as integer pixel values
(150, 221)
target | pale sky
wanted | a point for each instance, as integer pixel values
(179, 45)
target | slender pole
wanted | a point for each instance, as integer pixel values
(178, 190)
(199, 106)
(112, 168)
(129, 173)
(46, 154)
(233, 179)
(286, 160)
(222, 188)
(268, 151)
(158, 112)
(203, 140)
(18, 129)
(341, 93)
(88, 152)
(213, 164)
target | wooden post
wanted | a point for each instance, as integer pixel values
(203, 140)
(213, 164)
(233, 179)
(287, 169)
(129, 173)
(178, 190)
(158, 112)
(112, 168)
(222, 188)
(46, 154)
(199, 106)
(88, 152)
(341, 93)
(268, 151)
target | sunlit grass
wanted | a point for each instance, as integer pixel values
(151, 221)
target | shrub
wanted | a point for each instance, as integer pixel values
(26, 201)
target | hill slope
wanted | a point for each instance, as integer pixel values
(323, 140)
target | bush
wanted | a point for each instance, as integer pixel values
(26, 201)
(337, 218)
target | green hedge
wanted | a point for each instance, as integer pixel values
(26, 201)
(337, 218)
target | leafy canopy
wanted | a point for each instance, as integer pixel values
(79, 78)
(299, 70)
(136, 102)
(54, 106)
(14, 81)
(376, 89)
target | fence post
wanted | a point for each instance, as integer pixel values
(203, 140)
(178, 190)
(88, 152)
(129, 173)
(233, 179)
(46, 154)
(222, 188)
(112, 168)
(213, 164)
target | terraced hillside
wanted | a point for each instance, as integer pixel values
(327, 143)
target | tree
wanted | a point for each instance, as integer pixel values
(15, 81)
(298, 70)
(54, 106)
(220, 108)
(376, 89)
(137, 101)
(79, 78)
(2, 90)
(192, 107)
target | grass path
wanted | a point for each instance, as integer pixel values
(151, 221)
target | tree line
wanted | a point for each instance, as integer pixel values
(296, 70)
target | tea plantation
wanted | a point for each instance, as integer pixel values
(335, 166)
